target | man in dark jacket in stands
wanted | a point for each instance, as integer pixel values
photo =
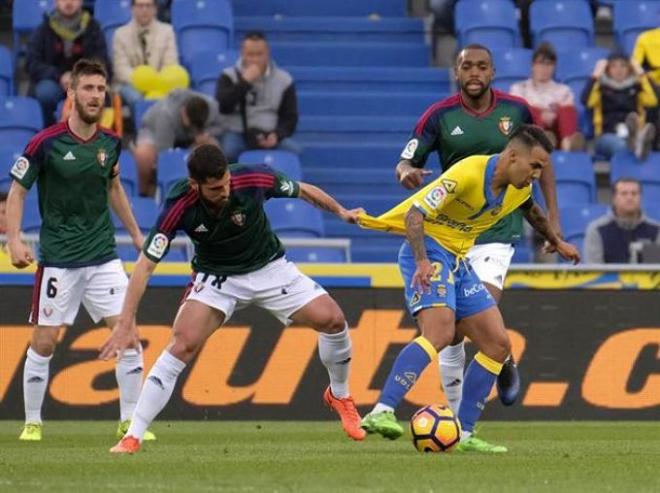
(608, 238)
(65, 36)
(258, 102)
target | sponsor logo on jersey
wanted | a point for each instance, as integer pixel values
(505, 125)
(450, 185)
(158, 245)
(464, 203)
(474, 289)
(409, 150)
(69, 156)
(201, 229)
(457, 131)
(101, 156)
(287, 187)
(435, 197)
(238, 218)
(20, 167)
(445, 220)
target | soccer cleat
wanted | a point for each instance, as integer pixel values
(508, 383)
(123, 427)
(127, 445)
(474, 444)
(350, 419)
(31, 432)
(383, 423)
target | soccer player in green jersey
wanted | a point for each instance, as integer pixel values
(238, 262)
(477, 120)
(75, 166)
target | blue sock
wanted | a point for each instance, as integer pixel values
(479, 380)
(407, 368)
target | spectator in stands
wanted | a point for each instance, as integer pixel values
(619, 93)
(184, 118)
(143, 41)
(608, 238)
(647, 54)
(552, 103)
(65, 36)
(259, 101)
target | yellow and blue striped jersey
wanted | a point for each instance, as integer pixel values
(457, 206)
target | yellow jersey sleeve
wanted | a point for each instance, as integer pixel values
(433, 198)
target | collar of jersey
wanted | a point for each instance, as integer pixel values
(491, 200)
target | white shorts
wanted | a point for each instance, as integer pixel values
(278, 287)
(491, 262)
(58, 293)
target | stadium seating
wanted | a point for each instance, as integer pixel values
(8, 156)
(367, 79)
(377, 156)
(578, 63)
(202, 24)
(356, 180)
(511, 65)
(565, 24)
(492, 23)
(576, 182)
(145, 211)
(374, 104)
(294, 218)
(353, 130)
(284, 161)
(20, 119)
(140, 107)
(171, 168)
(112, 14)
(574, 220)
(128, 174)
(625, 165)
(337, 8)
(31, 215)
(316, 254)
(631, 18)
(6, 72)
(206, 67)
(345, 29)
(26, 17)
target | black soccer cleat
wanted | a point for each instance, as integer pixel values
(508, 383)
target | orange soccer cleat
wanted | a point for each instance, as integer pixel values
(127, 445)
(350, 419)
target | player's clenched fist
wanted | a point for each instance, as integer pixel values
(411, 177)
(20, 254)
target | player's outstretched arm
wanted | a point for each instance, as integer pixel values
(321, 200)
(535, 216)
(122, 207)
(415, 234)
(124, 333)
(20, 254)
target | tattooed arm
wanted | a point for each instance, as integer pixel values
(415, 234)
(538, 220)
(321, 200)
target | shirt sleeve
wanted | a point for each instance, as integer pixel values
(433, 198)
(283, 186)
(423, 139)
(27, 167)
(169, 221)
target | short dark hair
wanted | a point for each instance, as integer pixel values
(197, 110)
(206, 161)
(254, 36)
(3, 196)
(475, 46)
(133, 2)
(545, 51)
(626, 179)
(85, 66)
(530, 136)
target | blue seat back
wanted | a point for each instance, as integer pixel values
(294, 218)
(566, 24)
(575, 219)
(6, 72)
(306, 8)
(171, 168)
(284, 161)
(316, 255)
(20, 119)
(632, 18)
(202, 23)
(206, 67)
(574, 174)
(488, 22)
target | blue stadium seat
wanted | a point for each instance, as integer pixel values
(338, 8)
(284, 161)
(316, 255)
(378, 156)
(8, 156)
(171, 168)
(578, 63)
(523, 253)
(294, 218)
(111, 14)
(354, 129)
(20, 119)
(574, 174)
(624, 164)
(367, 79)
(26, 17)
(351, 55)
(511, 65)
(201, 24)
(140, 107)
(631, 18)
(345, 29)
(353, 179)
(566, 24)
(384, 249)
(145, 211)
(362, 103)
(206, 67)
(651, 208)
(6, 72)
(575, 219)
(31, 214)
(488, 22)
(128, 173)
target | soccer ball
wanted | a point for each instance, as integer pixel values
(434, 428)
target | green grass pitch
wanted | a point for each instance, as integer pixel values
(316, 456)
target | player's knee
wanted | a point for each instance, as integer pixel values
(500, 348)
(439, 339)
(184, 347)
(44, 342)
(331, 322)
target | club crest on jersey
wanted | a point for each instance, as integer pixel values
(101, 156)
(238, 218)
(505, 125)
(20, 167)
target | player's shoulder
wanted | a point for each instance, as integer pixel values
(180, 189)
(445, 104)
(251, 176)
(45, 135)
(506, 98)
(471, 165)
(109, 134)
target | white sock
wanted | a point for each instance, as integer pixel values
(155, 394)
(35, 383)
(380, 407)
(452, 364)
(129, 372)
(335, 351)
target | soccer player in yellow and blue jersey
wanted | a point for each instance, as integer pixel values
(441, 223)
